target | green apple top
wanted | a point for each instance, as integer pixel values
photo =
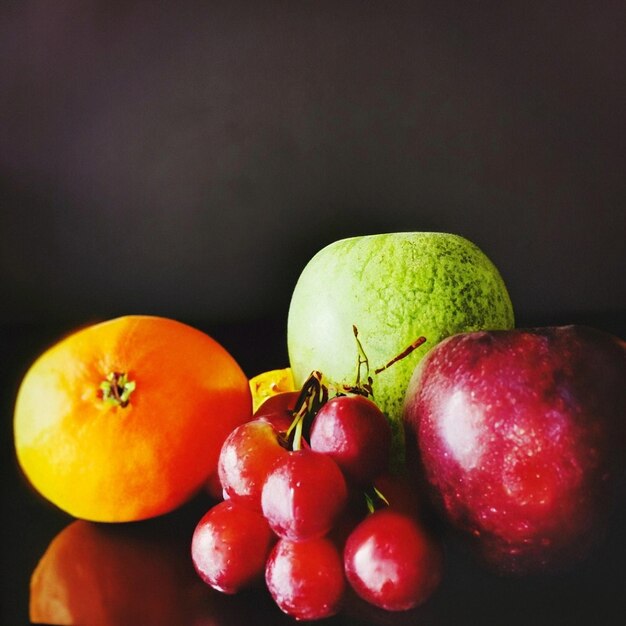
(394, 288)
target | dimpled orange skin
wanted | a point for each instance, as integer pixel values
(105, 462)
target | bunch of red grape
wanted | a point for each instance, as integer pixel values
(310, 507)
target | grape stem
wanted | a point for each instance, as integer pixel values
(375, 499)
(313, 395)
(367, 388)
(416, 344)
(297, 437)
(361, 361)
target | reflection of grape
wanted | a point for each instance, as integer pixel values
(230, 547)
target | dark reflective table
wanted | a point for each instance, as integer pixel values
(141, 573)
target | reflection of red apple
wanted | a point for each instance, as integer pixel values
(521, 435)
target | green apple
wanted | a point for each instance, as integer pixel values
(394, 288)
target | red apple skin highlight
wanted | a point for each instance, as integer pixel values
(521, 436)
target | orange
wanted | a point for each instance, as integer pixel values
(270, 383)
(124, 420)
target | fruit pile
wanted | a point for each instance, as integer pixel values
(516, 436)
(310, 506)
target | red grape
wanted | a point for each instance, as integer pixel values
(303, 495)
(306, 578)
(356, 434)
(279, 406)
(391, 562)
(246, 458)
(230, 546)
(399, 492)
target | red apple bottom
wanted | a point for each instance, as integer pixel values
(542, 552)
(521, 438)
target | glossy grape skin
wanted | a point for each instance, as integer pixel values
(392, 562)
(399, 491)
(303, 495)
(356, 434)
(306, 578)
(278, 409)
(247, 456)
(230, 547)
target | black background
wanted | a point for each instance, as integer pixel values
(187, 159)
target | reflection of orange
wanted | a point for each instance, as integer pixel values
(103, 575)
(133, 575)
(124, 420)
(270, 383)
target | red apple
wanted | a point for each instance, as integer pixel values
(521, 436)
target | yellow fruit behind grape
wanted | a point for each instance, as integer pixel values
(270, 383)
